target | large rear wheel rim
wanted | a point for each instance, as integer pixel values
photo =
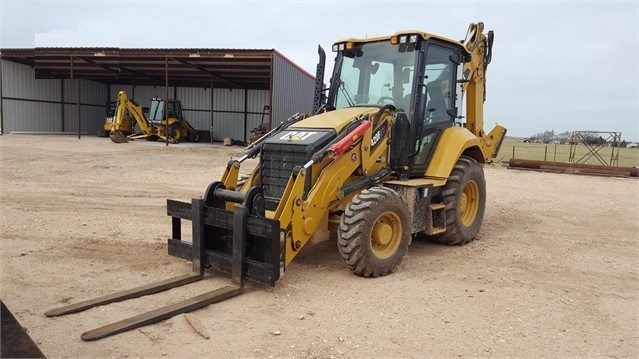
(176, 133)
(469, 203)
(386, 235)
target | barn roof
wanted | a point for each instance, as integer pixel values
(192, 67)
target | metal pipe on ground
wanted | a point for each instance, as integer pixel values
(567, 167)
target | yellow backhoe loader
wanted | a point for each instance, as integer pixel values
(386, 156)
(158, 125)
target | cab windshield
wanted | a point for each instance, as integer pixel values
(375, 74)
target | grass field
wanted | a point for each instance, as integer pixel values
(628, 157)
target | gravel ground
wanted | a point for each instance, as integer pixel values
(553, 272)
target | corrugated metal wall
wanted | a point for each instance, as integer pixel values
(230, 119)
(19, 82)
(292, 90)
(41, 114)
(92, 101)
(197, 106)
(32, 105)
(30, 116)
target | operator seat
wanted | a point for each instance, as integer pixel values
(436, 106)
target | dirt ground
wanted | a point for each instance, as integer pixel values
(553, 272)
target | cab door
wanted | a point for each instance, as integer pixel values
(436, 108)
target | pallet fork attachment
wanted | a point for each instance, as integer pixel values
(204, 222)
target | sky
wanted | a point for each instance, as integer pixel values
(557, 65)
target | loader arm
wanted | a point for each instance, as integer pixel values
(319, 186)
(303, 210)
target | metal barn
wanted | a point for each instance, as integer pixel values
(226, 93)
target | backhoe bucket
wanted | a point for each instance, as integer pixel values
(118, 137)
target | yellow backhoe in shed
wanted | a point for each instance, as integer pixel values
(165, 119)
(386, 156)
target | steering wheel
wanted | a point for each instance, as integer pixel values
(385, 98)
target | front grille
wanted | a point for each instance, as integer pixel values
(277, 164)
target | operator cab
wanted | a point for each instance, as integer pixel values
(415, 73)
(156, 110)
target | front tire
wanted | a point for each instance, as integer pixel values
(176, 132)
(465, 200)
(374, 232)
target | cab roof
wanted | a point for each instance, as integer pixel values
(424, 35)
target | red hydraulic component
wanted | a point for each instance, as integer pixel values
(338, 148)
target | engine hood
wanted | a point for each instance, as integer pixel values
(336, 119)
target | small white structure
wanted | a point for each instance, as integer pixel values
(632, 145)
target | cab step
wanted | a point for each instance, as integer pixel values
(436, 219)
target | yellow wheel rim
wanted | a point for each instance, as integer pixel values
(176, 134)
(469, 203)
(386, 235)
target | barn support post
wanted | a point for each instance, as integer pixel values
(211, 107)
(270, 91)
(77, 97)
(166, 99)
(62, 104)
(1, 101)
(245, 114)
(71, 78)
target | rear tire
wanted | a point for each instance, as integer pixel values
(465, 201)
(194, 137)
(374, 232)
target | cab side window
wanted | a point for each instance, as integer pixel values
(438, 83)
(439, 95)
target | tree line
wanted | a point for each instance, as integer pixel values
(549, 136)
